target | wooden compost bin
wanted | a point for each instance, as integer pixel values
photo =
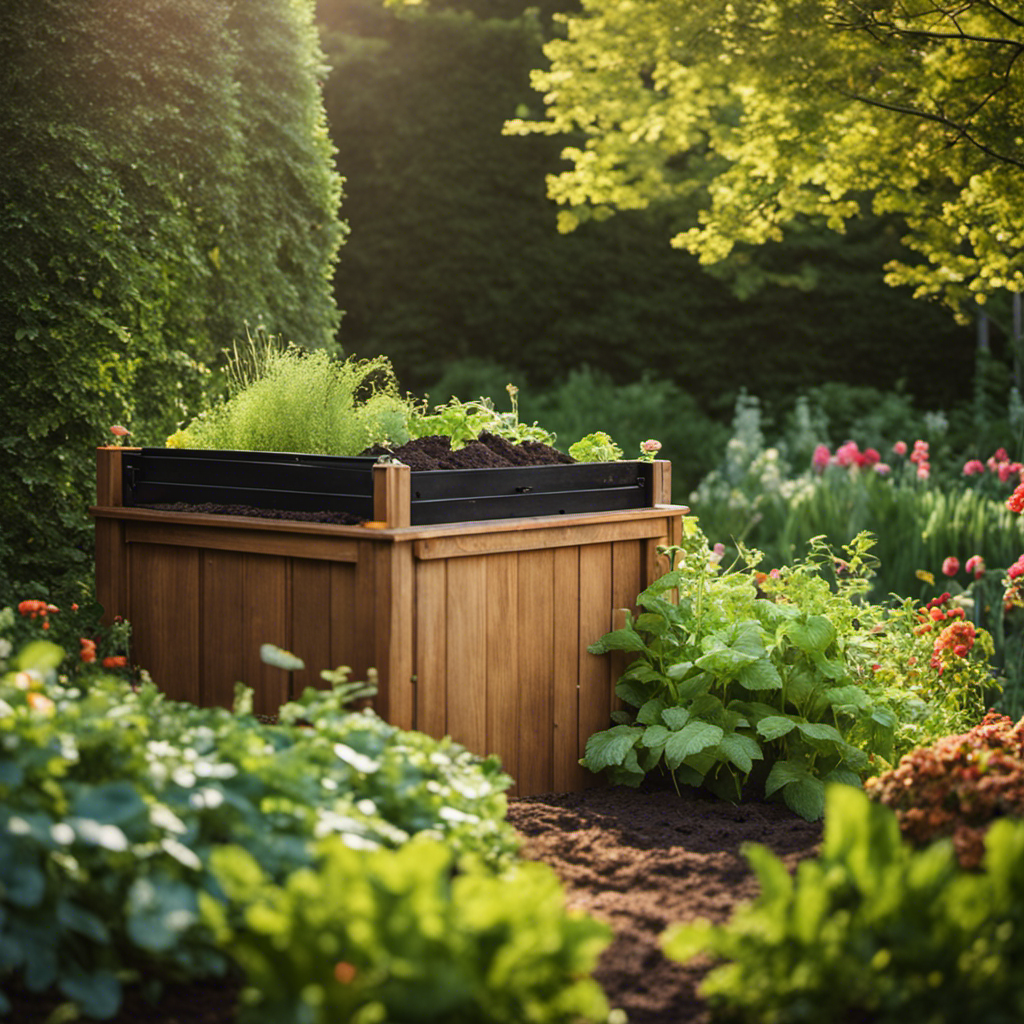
(478, 630)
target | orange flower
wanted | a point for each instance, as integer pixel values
(344, 973)
(38, 702)
(115, 661)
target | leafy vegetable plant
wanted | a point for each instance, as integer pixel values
(401, 935)
(596, 447)
(112, 801)
(741, 672)
(872, 930)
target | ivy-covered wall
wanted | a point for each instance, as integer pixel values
(167, 178)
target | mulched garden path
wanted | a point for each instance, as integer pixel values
(638, 859)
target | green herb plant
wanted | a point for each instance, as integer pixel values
(872, 930)
(465, 421)
(596, 447)
(731, 684)
(290, 400)
(401, 935)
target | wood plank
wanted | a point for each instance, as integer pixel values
(466, 632)
(265, 620)
(392, 495)
(536, 656)
(364, 621)
(111, 556)
(163, 608)
(431, 640)
(342, 549)
(312, 621)
(341, 624)
(567, 774)
(662, 482)
(628, 572)
(223, 633)
(396, 632)
(503, 646)
(594, 669)
(546, 539)
(109, 474)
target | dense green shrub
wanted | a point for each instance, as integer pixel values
(167, 177)
(958, 786)
(872, 930)
(401, 936)
(112, 800)
(727, 676)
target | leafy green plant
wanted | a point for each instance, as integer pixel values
(728, 675)
(393, 935)
(465, 421)
(112, 800)
(305, 402)
(871, 930)
(958, 786)
(595, 447)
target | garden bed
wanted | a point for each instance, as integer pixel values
(638, 859)
(478, 629)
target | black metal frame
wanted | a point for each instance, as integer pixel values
(331, 483)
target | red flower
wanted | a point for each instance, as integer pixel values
(976, 564)
(951, 566)
(1015, 502)
(973, 467)
(899, 448)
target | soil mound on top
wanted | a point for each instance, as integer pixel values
(487, 451)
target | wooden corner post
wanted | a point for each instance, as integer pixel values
(391, 494)
(111, 550)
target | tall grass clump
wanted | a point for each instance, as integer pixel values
(290, 400)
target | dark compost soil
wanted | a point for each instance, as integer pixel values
(638, 859)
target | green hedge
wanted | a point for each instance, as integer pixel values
(167, 177)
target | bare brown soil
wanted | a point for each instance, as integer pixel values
(638, 859)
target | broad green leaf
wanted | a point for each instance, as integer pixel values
(610, 747)
(650, 713)
(691, 739)
(707, 706)
(812, 636)
(25, 885)
(775, 726)
(633, 693)
(852, 696)
(742, 751)
(112, 803)
(40, 655)
(651, 623)
(683, 942)
(74, 918)
(828, 667)
(785, 772)
(278, 657)
(844, 776)
(159, 911)
(731, 648)
(820, 731)
(806, 797)
(675, 718)
(884, 717)
(655, 736)
(619, 640)
(679, 669)
(759, 675)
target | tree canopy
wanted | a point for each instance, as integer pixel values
(746, 116)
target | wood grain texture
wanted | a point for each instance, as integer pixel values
(163, 605)
(312, 621)
(536, 656)
(466, 631)
(392, 495)
(595, 620)
(567, 774)
(264, 620)
(395, 631)
(431, 590)
(502, 673)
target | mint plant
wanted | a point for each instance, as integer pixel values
(745, 677)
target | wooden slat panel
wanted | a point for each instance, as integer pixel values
(568, 775)
(594, 670)
(223, 601)
(312, 621)
(503, 645)
(536, 652)
(299, 545)
(345, 649)
(432, 648)
(164, 612)
(395, 632)
(466, 631)
(364, 621)
(509, 539)
(111, 569)
(628, 572)
(265, 620)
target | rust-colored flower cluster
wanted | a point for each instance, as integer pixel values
(958, 787)
(956, 635)
(38, 610)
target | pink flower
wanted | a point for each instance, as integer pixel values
(871, 457)
(1017, 569)
(820, 458)
(972, 467)
(882, 468)
(1005, 471)
(847, 454)
(899, 448)
(976, 565)
(920, 452)
(119, 431)
(951, 566)
(923, 471)
(650, 446)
